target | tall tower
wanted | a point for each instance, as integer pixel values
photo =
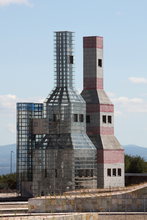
(70, 156)
(26, 112)
(100, 117)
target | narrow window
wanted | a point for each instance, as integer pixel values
(83, 172)
(104, 118)
(108, 172)
(75, 117)
(81, 117)
(45, 173)
(100, 62)
(80, 173)
(109, 119)
(87, 173)
(87, 118)
(119, 172)
(92, 173)
(56, 173)
(71, 59)
(114, 172)
(54, 117)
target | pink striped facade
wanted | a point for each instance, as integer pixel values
(101, 115)
(106, 108)
(92, 83)
(110, 156)
(93, 130)
(100, 108)
(93, 42)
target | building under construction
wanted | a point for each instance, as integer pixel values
(68, 141)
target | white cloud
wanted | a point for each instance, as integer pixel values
(126, 100)
(138, 80)
(31, 99)
(7, 102)
(125, 104)
(20, 2)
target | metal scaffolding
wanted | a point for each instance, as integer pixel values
(62, 155)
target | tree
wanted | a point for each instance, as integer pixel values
(135, 164)
(8, 181)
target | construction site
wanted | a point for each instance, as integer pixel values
(70, 165)
(68, 142)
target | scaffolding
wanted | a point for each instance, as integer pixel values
(62, 155)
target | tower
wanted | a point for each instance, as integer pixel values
(70, 161)
(54, 151)
(100, 117)
(68, 141)
(26, 112)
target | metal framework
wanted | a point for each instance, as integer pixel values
(68, 141)
(62, 155)
(26, 141)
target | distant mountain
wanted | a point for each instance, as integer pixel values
(5, 158)
(135, 150)
(5, 155)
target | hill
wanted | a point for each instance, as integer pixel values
(135, 150)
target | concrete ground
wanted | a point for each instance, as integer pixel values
(76, 216)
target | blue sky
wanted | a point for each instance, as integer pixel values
(26, 56)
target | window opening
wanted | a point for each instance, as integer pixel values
(54, 117)
(75, 117)
(87, 118)
(104, 118)
(71, 59)
(81, 117)
(119, 172)
(109, 119)
(56, 173)
(100, 62)
(92, 173)
(87, 173)
(45, 173)
(108, 172)
(114, 172)
(80, 173)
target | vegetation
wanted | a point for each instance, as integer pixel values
(8, 182)
(135, 164)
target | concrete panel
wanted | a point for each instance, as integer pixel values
(40, 126)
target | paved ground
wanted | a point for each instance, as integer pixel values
(76, 216)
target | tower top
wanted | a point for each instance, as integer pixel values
(64, 59)
(93, 42)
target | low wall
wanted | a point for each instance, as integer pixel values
(135, 178)
(133, 201)
(83, 216)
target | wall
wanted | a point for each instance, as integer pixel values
(134, 201)
(135, 178)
